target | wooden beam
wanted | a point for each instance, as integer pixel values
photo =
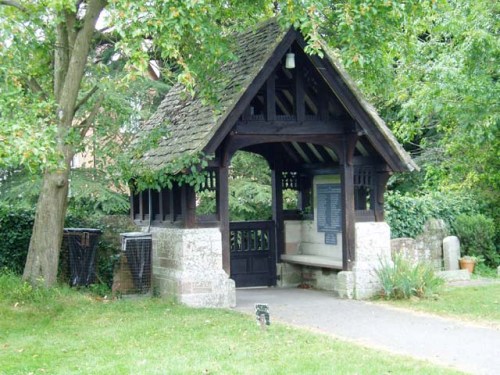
(223, 209)
(352, 104)
(141, 207)
(238, 141)
(300, 103)
(323, 102)
(160, 204)
(190, 219)
(271, 98)
(277, 191)
(348, 217)
(284, 104)
(188, 206)
(291, 127)
(349, 213)
(381, 181)
(251, 91)
(171, 203)
(132, 207)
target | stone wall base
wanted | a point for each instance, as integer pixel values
(345, 284)
(293, 275)
(373, 248)
(187, 265)
(454, 275)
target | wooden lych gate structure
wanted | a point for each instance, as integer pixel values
(317, 133)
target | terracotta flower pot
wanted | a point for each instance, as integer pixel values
(467, 264)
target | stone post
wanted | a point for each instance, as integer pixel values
(451, 253)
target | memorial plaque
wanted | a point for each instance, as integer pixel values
(330, 238)
(329, 211)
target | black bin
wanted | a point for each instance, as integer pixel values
(137, 248)
(82, 246)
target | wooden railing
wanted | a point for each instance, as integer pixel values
(251, 236)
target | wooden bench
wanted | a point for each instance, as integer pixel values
(312, 260)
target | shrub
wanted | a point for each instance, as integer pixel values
(403, 279)
(406, 214)
(15, 230)
(477, 234)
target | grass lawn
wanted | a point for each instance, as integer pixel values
(478, 303)
(65, 332)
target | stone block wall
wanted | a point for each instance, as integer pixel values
(408, 249)
(426, 247)
(187, 264)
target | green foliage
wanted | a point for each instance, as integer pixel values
(15, 231)
(477, 234)
(477, 303)
(91, 191)
(16, 226)
(15, 291)
(406, 214)
(250, 196)
(187, 169)
(403, 279)
(482, 270)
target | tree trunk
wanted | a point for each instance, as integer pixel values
(43, 255)
(71, 55)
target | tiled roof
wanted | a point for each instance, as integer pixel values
(191, 123)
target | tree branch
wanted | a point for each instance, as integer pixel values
(87, 121)
(35, 87)
(14, 4)
(86, 98)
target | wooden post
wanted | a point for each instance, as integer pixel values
(223, 210)
(141, 207)
(348, 216)
(133, 196)
(300, 103)
(188, 204)
(379, 185)
(278, 209)
(160, 204)
(171, 204)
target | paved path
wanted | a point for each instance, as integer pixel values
(467, 347)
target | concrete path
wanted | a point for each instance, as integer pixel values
(466, 347)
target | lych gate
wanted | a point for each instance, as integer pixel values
(319, 137)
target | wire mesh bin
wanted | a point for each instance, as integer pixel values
(82, 248)
(137, 249)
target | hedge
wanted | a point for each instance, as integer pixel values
(406, 214)
(15, 231)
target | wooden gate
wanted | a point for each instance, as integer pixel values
(253, 254)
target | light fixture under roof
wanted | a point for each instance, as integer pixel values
(290, 60)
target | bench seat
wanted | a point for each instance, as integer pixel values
(312, 260)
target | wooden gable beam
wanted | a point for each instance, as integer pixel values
(352, 105)
(251, 91)
(290, 127)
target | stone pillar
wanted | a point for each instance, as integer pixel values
(451, 253)
(187, 264)
(373, 247)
